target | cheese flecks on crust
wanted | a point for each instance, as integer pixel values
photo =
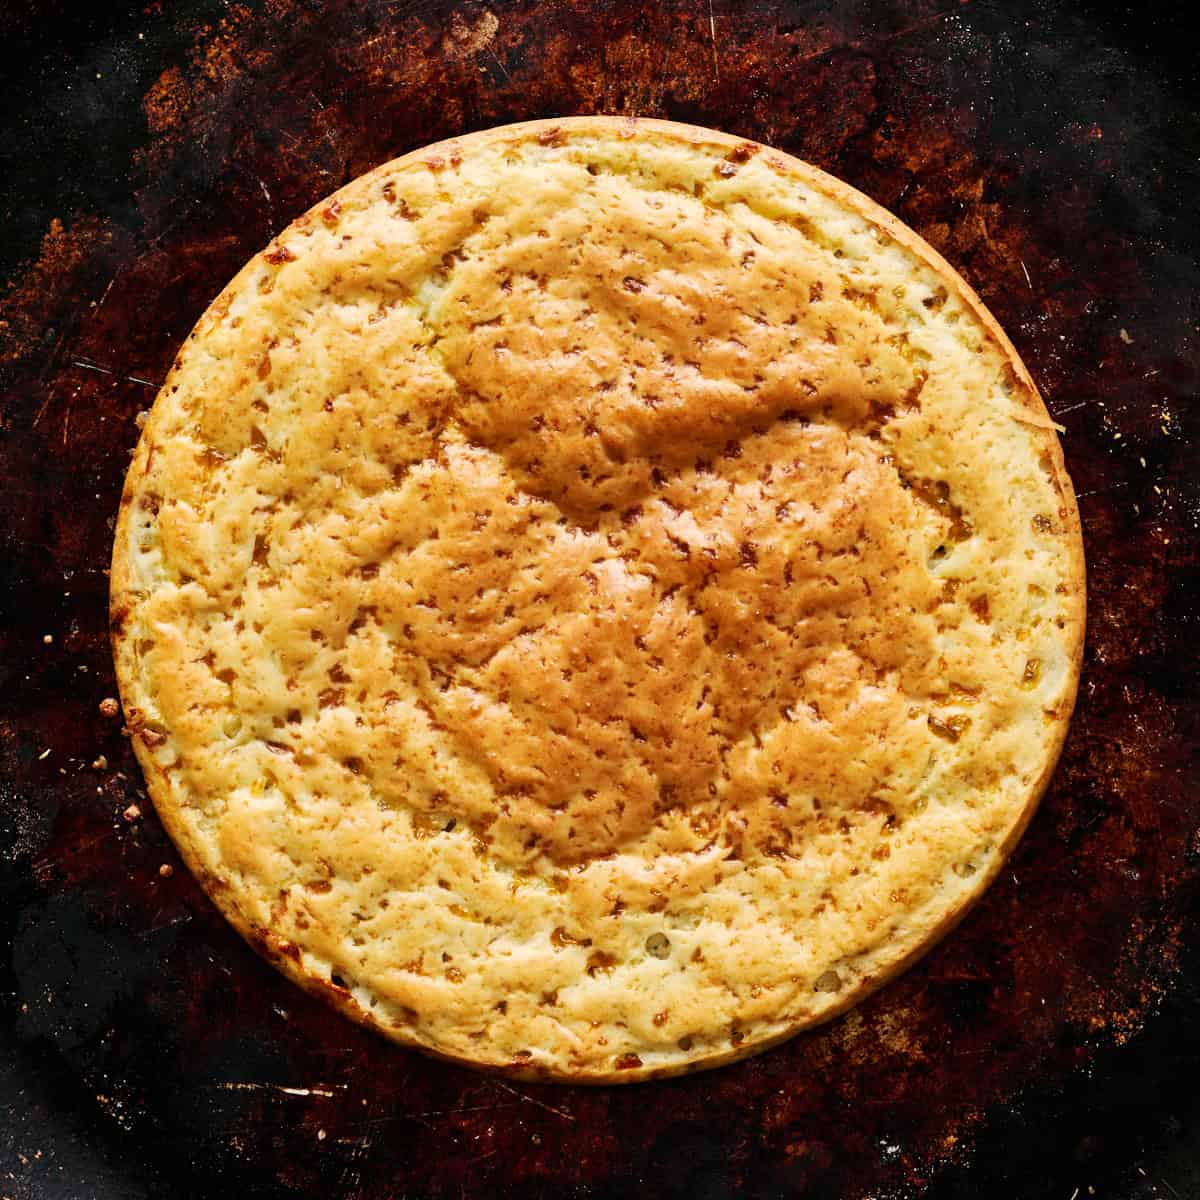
(595, 597)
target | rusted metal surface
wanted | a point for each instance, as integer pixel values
(1055, 172)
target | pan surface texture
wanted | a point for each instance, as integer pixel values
(1048, 152)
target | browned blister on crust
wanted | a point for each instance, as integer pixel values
(597, 598)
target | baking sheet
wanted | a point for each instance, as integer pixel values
(1048, 151)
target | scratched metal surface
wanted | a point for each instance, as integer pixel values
(1048, 151)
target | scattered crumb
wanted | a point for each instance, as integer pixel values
(1126, 338)
(109, 707)
(132, 813)
(44, 754)
(100, 764)
(166, 871)
(320, 1135)
(48, 639)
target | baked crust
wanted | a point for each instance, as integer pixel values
(596, 597)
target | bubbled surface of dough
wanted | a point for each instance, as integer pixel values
(594, 597)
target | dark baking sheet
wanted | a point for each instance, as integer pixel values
(1050, 150)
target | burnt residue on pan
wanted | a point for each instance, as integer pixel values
(1056, 172)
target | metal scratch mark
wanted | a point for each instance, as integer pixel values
(351, 1176)
(276, 1087)
(362, 1143)
(88, 365)
(188, 208)
(445, 1112)
(104, 296)
(868, 43)
(938, 18)
(41, 412)
(1062, 412)
(184, 920)
(300, 152)
(512, 1091)
(265, 192)
(712, 30)
(425, 1114)
(326, 133)
(1025, 269)
(44, 865)
(1112, 487)
(496, 59)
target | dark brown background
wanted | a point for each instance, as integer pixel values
(1049, 150)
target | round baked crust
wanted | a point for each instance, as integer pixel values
(596, 597)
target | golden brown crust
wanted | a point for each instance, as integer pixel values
(524, 605)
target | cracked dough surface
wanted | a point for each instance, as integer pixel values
(594, 598)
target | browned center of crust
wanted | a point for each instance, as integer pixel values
(669, 633)
(725, 548)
